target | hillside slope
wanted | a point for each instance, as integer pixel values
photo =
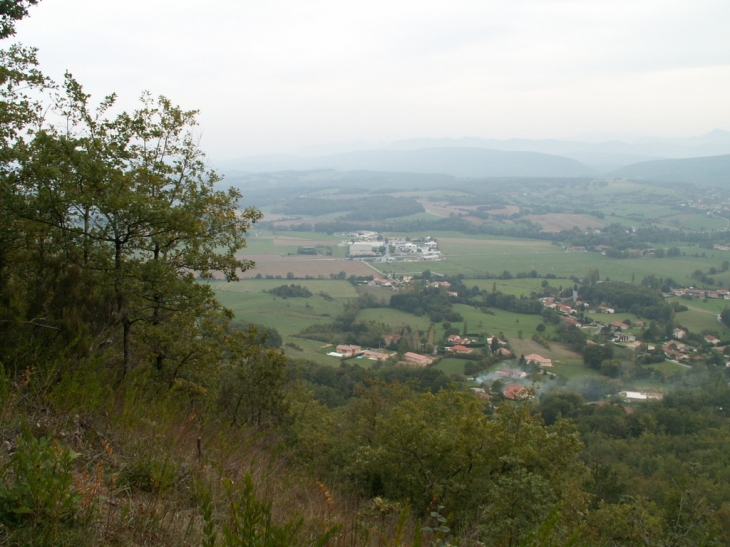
(713, 170)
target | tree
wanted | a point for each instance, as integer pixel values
(594, 355)
(12, 11)
(252, 380)
(725, 316)
(128, 202)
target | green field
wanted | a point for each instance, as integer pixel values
(287, 315)
(451, 366)
(702, 316)
(519, 255)
(397, 319)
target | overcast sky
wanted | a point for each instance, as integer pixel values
(272, 76)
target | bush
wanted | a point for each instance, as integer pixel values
(36, 484)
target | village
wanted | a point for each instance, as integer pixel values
(518, 371)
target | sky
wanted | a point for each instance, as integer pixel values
(273, 76)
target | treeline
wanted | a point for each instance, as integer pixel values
(510, 302)
(432, 301)
(291, 291)
(336, 386)
(623, 296)
(615, 236)
(361, 209)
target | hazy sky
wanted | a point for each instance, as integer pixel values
(271, 76)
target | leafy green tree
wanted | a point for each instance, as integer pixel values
(725, 316)
(594, 355)
(12, 11)
(252, 380)
(128, 201)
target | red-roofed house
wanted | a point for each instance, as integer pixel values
(515, 391)
(463, 350)
(456, 339)
(570, 321)
(416, 359)
(348, 351)
(539, 360)
(565, 309)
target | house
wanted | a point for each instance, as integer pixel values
(619, 325)
(504, 352)
(440, 284)
(512, 373)
(456, 339)
(515, 391)
(679, 333)
(604, 309)
(536, 359)
(375, 355)
(712, 340)
(644, 395)
(391, 339)
(417, 359)
(565, 309)
(365, 248)
(480, 392)
(623, 337)
(462, 350)
(348, 351)
(570, 321)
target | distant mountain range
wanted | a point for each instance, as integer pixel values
(651, 160)
(459, 162)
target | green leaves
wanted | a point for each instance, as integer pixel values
(36, 486)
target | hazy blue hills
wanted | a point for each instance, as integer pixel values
(598, 157)
(469, 162)
(714, 170)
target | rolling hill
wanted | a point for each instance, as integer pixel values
(713, 170)
(455, 161)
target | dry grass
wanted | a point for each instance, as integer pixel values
(196, 455)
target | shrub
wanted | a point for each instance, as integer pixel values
(36, 484)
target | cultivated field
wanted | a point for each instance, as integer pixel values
(302, 266)
(555, 222)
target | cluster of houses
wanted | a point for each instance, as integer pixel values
(703, 293)
(390, 282)
(349, 350)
